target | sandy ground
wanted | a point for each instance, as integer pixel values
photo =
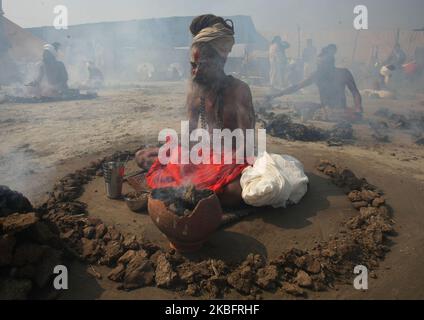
(36, 138)
(43, 142)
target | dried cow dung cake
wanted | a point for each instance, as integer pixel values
(181, 201)
(13, 202)
(283, 127)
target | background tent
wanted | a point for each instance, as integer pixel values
(18, 49)
(118, 48)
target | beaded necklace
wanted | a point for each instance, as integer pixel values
(218, 108)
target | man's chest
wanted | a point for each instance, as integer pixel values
(217, 110)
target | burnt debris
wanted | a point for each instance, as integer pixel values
(181, 201)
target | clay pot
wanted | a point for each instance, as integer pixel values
(187, 233)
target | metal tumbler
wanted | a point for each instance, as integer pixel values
(114, 176)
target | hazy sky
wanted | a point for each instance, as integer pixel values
(268, 15)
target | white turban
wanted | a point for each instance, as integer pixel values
(219, 37)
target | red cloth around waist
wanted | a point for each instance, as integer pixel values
(203, 176)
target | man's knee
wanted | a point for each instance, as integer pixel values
(231, 195)
(146, 157)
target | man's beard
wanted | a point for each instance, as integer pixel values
(209, 82)
(201, 81)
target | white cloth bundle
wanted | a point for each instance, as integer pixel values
(274, 180)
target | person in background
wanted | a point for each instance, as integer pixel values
(52, 78)
(331, 82)
(278, 62)
(414, 70)
(392, 67)
(397, 57)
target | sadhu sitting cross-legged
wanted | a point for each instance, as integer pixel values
(214, 101)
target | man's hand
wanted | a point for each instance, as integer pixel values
(146, 157)
(358, 116)
(359, 109)
(352, 114)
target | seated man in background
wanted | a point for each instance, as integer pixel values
(52, 78)
(331, 82)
